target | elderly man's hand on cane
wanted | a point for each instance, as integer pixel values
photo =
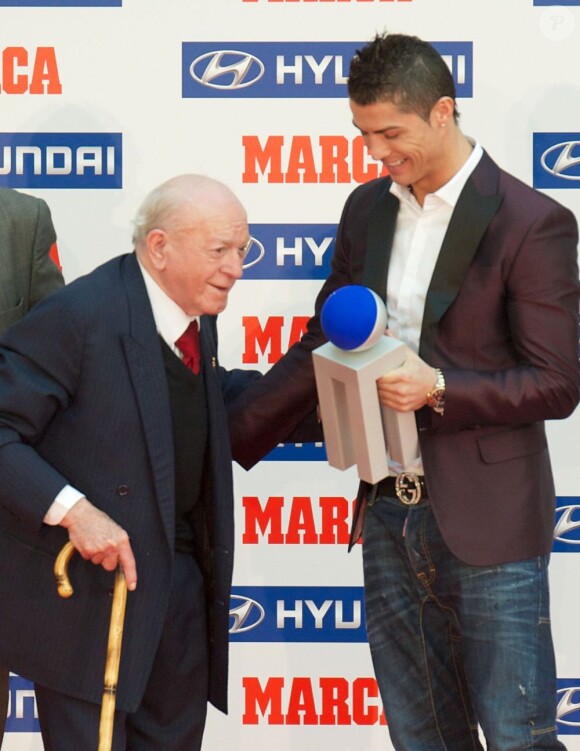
(101, 540)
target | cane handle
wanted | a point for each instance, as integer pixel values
(60, 570)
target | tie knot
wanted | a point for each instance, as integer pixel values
(188, 345)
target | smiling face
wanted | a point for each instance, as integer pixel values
(417, 153)
(197, 257)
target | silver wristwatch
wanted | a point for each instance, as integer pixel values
(436, 397)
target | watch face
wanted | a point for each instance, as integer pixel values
(436, 399)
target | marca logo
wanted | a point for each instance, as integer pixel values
(568, 710)
(30, 71)
(61, 3)
(302, 159)
(53, 252)
(22, 714)
(567, 528)
(61, 160)
(268, 337)
(329, 700)
(557, 160)
(290, 69)
(297, 521)
(290, 251)
(297, 614)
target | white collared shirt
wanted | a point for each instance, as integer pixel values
(171, 321)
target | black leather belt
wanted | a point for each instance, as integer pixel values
(408, 487)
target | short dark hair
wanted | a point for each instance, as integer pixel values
(402, 69)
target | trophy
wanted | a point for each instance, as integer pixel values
(357, 428)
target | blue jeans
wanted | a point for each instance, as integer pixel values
(454, 646)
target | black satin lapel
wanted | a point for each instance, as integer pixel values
(471, 217)
(381, 230)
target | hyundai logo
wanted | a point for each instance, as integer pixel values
(245, 616)
(255, 254)
(568, 706)
(567, 525)
(227, 69)
(560, 157)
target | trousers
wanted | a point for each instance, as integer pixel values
(173, 710)
(456, 648)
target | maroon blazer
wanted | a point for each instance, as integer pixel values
(501, 321)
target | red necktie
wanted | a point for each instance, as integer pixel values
(188, 344)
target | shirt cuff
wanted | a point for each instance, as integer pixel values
(62, 504)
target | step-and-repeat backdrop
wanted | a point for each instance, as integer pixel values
(101, 100)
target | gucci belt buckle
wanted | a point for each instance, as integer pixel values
(408, 488)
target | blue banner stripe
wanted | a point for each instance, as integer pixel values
(290, 251)
(61, 160)
(288, 70)
(297, 614)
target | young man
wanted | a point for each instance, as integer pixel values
(479, 274)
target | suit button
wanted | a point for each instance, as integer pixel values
(122, 490)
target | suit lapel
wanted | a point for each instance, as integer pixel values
(478, 201)
(381, 231)
(471, 217)
(213, 390)
(145, 362)
(208, 353)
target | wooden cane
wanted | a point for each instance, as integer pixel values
(114, 644)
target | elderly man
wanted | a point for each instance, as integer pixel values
(27, 274)
(113, 434)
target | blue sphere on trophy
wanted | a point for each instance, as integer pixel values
(354, 318)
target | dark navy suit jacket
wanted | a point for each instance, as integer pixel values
(84, 400)
(501, 320)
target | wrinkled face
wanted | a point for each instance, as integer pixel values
(412, 149)
(199, 262)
